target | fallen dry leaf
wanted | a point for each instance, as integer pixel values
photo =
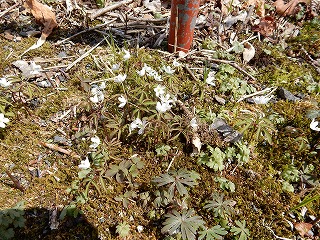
(303, 228)
(287, 9)
(43, 15)
(248, 52)
(266, 26)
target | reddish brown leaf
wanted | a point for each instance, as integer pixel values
(43, 15)
(303, 228)
(266, 26)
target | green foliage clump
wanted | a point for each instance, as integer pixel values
(11, 219)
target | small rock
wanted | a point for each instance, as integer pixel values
(287, 95)
(61, 140)
(227, 132)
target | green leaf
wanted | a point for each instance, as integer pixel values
(240, 230)
(123, 229)
(225, 184)
(178, 180)
(186, 223)
(221, 208)
(216, 232)
(83, 173)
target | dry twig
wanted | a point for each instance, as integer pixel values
(59, 149)
(102, 11)
(15, 182)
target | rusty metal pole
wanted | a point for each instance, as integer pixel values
(182, 23)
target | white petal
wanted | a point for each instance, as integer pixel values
(314, 125)
(123, 101)
(193, 123)
(197, 143)
(85, 164)
(160, 90)
(120, 78)
(4, 82)
(126, 55)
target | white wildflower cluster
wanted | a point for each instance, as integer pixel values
(146, 70)
(139, 124)
(165, 102)
(97, 95)
(4, 82)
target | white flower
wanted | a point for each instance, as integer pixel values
(96, 94)
(211, 78)
(123, 101)
(139, 228)
(163, 107)
(142, 72)
(98, 97)
(4, 82)
(175, 63)
(165, 103)
(160, 90)
(157, 77)
(85, 164)
(137, 123)
(313, 125)
(3, 120)
(193, 123)
(147, 68)
(166, 98)
(262, 99)
(126, 54)
(115, 67)
(120, 78)
(168, 69)
(95, 142)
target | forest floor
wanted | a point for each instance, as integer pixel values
(106, 135)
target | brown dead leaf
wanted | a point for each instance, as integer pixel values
(287, 9)
(266, 26)
(43, 15)
(303, 228)
(258, 5)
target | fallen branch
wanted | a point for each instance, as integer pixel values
(102, 11)
(59, 149)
